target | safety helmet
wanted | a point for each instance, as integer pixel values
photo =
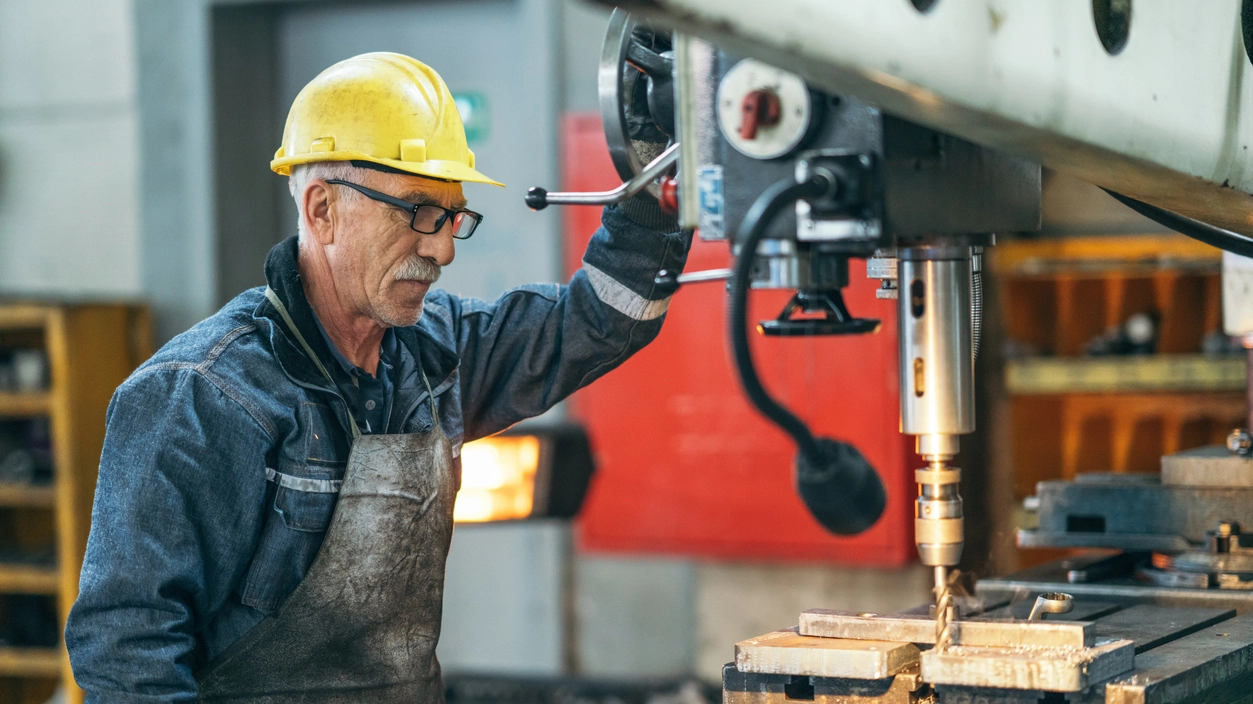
(383, 108)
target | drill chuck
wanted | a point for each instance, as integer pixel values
(938, 523)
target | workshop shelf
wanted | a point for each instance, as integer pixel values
(24, 405)
(1167, 372)
(27, 496)
(1062, 436)
(29, 579)
(89, 350)
(1056, 307)
(30, 662)
(24, 316)
(1103, 256)
(1072, 393)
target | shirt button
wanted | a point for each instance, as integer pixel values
(369, 405)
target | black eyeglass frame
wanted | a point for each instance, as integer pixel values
(413, 208)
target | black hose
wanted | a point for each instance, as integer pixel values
(834, 480)
(1213, 236)
(756, 221)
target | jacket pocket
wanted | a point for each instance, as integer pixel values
(293, 534)
(304, 510)
(325, 443)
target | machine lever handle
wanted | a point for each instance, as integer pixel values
(692, 277)
(537, 198)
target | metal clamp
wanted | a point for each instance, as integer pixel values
(1051, 603)
(537, 198)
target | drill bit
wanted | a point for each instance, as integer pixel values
(943, 608)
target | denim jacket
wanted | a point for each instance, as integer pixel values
(224, 453)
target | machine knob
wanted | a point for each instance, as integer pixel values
(537, 198)
(760, 108)
(669, 197)
(765, 112)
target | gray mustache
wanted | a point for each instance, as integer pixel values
(418, 268)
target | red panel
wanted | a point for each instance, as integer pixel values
(685, 465)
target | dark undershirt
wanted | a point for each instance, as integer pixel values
(369, 397)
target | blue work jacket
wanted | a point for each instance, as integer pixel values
(224, 453)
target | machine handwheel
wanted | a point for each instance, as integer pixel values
(635, 75)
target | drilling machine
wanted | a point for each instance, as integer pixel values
(798, 178)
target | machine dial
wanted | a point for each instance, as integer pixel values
(764, 112)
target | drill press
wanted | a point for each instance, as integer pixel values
(813, 180)
(757, 140)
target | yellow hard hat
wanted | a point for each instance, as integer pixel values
(383, 108)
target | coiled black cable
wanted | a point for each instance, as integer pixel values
(756, 221)
(837, 484)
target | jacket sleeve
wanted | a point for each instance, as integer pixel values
(177, 513)
(535, 345)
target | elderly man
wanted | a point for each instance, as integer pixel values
(275, 498)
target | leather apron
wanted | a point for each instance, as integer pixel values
(364, 622)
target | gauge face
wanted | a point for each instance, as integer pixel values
(764, 112)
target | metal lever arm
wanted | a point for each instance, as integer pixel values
(537, 198)
(665, 278)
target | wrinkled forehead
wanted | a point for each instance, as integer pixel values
(419, 190)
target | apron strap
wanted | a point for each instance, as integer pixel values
(313, 357)
(429, 394)
(274, 300)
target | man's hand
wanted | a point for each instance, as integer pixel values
(643, 209)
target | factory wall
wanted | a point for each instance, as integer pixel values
(69, 163)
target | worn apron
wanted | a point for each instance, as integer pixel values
(363, 624)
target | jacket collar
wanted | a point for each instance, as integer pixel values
(283, 276)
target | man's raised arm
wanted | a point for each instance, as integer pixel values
(536, 345)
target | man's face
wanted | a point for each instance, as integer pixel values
(380, 264)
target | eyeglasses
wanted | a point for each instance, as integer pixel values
(425, 218)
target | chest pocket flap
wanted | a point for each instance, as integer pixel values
(325, 444)
(306, 488)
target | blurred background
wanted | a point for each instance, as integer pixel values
(136, 199)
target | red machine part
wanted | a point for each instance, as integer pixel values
(761, 108)
(669, 196)
(685, 466)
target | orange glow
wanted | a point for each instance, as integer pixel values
(497, 479)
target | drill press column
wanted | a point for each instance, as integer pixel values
(937, 393)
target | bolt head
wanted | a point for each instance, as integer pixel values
(1239, 441)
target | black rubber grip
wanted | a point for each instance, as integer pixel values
(537, 198)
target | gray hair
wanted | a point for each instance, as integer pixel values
(302, 174)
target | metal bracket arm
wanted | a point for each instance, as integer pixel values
(692, 277)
